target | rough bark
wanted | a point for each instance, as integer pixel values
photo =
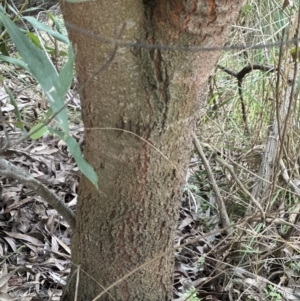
(154, 94)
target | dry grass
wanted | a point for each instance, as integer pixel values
(257, 260)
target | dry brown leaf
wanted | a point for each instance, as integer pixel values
(63, 245)
(5, 297)
(11, 243)
(4, 279)
(25, 237)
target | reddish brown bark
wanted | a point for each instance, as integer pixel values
(151, 93)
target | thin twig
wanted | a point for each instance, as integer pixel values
(292, 97)
(77, 283)
(293, 186)
(122, 43)
(222, 208)
(240, 184)
(10, 170)
(5, 131)
(240, 76)
(137, 136)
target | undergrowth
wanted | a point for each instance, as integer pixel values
(256, 258)
(259, 250)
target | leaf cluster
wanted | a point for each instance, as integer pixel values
(55, 85)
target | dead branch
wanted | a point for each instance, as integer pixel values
(222, 208)
(252, 199)
(240, 76)
(10, 170)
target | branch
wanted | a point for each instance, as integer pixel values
(223, 213)
(240, 76)
(10, 170)
(240, 184)
(294, 187)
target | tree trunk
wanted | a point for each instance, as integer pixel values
(139, 113)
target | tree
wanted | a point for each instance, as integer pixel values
(140, 104)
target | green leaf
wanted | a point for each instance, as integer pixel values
(27, 11)
(42, 130)
(74, 149)
(53, 51)
(12, 9)
(66, 73)
(14, 103)
(35, 40)
(57, 23)
(33, 10)
(3, 46)
(49, 113)
(40, 26)
(41, 68)
(14, 61)
(82, 164)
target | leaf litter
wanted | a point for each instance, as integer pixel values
(32, 235)
(34, 239)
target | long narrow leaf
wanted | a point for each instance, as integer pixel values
(14, 103)
(14, 61)
(41, 68)
(40, 26)
(58, 24)
(66, 73)
(38, 134)
(74, 149)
